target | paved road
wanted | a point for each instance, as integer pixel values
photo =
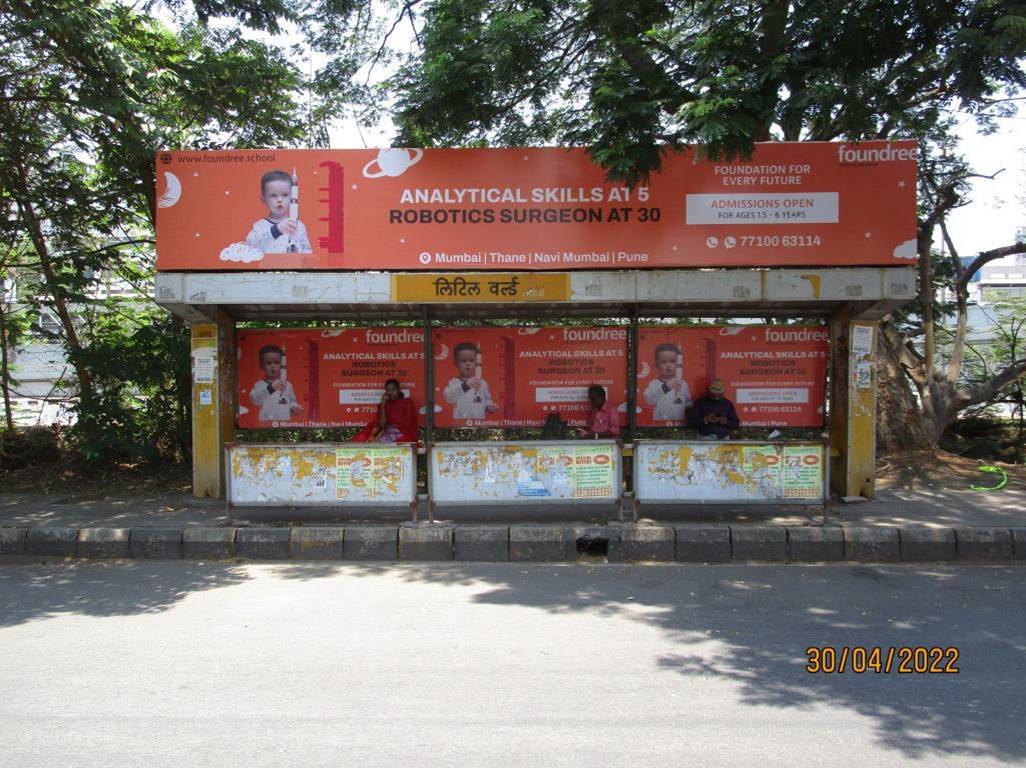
(170, 664)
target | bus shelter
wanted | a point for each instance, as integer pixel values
(412, 252)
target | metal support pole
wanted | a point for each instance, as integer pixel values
(429, 378)
(632, 379)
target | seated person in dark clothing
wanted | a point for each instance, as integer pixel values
(713, 415)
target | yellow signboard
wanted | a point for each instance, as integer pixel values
(505, 287)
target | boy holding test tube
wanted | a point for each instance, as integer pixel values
(468, 392)
(280, 231)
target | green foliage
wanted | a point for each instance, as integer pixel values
(633, 79)
(89, 92)
(141, 371)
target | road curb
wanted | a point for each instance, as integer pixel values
(648, 543)
(427, 542)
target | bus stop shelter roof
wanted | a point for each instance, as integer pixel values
(870, 293)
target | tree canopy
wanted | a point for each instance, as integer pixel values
(631, 79)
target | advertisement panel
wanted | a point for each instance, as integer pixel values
(775, 374)
(790, 204)
(321, 474)
(322, 377)
(516, 377)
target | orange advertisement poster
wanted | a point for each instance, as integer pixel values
(790, 204)
(321, 377)
(516, 377)
(774, 374)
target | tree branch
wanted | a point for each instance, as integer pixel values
(984, 258)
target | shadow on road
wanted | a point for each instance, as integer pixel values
(761, 619)
(749, 625)
(105, 589)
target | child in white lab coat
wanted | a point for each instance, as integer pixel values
(669, 394)
(468, 392)
(280, 231)
(273, 393)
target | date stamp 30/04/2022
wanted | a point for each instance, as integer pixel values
(863, 659)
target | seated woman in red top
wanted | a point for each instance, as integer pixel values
(396, 420)
(603, 420)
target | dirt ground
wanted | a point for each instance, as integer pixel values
(62, 480)
(919, 470)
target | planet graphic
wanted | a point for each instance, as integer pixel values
(392, 162)
(172, 193)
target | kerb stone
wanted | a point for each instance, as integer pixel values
(316, 543)
(155, 544)
(1018, 543)
(481, 543)
(871, 544)
(263, 543)
(52, 542)
(425, 541)
(921, 544)
(536, 543)
(370, 542)
(703, 544)
(12, 541)
(984, 544)
(648, 543)
(762, 543)
(99, 543)
(815, 544)
(204, 543)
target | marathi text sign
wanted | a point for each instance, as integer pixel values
(314, 377)
(506, 287)
(516, 377)
(774, 374)
(791, 204)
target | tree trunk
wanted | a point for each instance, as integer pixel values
(899, 424)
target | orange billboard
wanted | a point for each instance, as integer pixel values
(790, 204)
(774, 374)
(324, 377)
(516, 377)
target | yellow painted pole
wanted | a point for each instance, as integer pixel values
(213, 402)
(853, 405)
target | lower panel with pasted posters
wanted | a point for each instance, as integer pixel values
(739, 471)
(321, 474)
(530, 471)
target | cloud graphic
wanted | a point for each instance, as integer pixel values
(907, 250)
(731, 330)
(173, 192)
(241, 252)
(243, 410)
(527, 331)
(330, 333)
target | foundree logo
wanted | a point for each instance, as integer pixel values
(400, 336)
(593, 334)
(775, 335)
(860, 155)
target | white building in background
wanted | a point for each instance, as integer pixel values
(1001, 279)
